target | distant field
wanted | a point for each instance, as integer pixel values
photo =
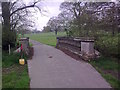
(46, 38)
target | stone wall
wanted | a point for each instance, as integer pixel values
(25, 44)
(82, 46)
(69, 43)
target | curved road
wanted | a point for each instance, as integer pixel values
(51, 68)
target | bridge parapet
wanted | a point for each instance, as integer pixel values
(25, 44)
(82, 46)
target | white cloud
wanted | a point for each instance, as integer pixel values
(52, 8)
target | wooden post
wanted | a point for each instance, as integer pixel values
(9, 48)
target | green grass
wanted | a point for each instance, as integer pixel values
(9, 60)
(46, 38)
(105, 63)
(14, 75)
(114, 82)
(15, 79)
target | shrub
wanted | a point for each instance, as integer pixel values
(108, 45)
(8, 37)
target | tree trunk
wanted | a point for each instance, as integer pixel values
(6, 14)
(8, 37)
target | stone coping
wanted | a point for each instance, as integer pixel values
(82, 39)
(22, 39)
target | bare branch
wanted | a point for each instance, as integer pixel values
(25, 7)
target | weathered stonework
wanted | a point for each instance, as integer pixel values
(87, 49)
(25, 44)
(83, 46)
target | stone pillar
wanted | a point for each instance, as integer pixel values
(25, 44)
(87, 49)
(57, 44)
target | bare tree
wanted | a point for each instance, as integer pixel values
(12, 15)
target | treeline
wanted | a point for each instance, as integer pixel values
(100, 20)
(86, 18)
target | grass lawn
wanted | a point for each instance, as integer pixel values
(15, 77)
(13, 74)
(46, 38)
(108, 67)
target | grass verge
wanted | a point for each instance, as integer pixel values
(108, 67)
(13, 74)
(15, 77)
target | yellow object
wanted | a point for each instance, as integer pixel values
(21, 61)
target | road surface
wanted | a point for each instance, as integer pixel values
(51, 68)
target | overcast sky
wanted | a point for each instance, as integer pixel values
(52, 8)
